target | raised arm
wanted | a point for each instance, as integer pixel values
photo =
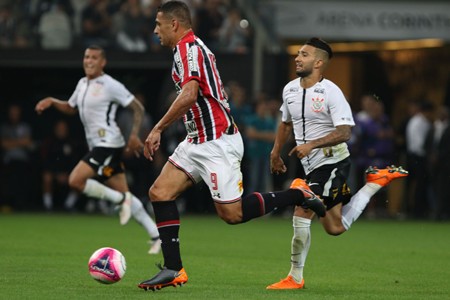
(62, 106)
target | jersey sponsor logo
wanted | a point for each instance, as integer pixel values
(178, 87)
(317, 104)
(319, 90)
(192, 60)
(191, 128)
(290, 100)
(177, 60)
(293, 90)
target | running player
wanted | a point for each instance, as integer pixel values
(100, 173)
(315, 109)
(212, 150)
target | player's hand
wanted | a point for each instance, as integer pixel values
(152, 144)
(43, 105)
(277, 165)
(301, 150)
(134, 145)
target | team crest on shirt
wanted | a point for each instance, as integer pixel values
(318, 104)
(97, 88)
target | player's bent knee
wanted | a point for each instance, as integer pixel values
(156, 193)
(334, 230)
(230, 213)
(231, 219)
(76, 184)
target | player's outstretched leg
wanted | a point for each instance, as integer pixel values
(164, 278)
(311, 200)
(376, 179)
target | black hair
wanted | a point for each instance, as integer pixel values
(320, 44)
(178, 9)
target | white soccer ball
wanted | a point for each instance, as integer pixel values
(107, 265)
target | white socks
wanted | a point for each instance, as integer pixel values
(99, 191)
(71, 199)
(142, 217)
(301, 242)
(48, 201)
(357, 204)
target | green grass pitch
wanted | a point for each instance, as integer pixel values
(44, 256)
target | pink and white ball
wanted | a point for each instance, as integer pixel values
(107, 265)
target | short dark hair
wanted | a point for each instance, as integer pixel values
(320, 44)
(177, 9)
(99, 48)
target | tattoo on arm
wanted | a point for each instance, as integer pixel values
(341, 134)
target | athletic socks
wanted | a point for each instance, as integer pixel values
(357, 204)
(142, 217)
(47, 201)
(168, 223)
(259, 204)
(301, 242)
(99, 191)
(71, 200)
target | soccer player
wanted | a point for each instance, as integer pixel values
(100, 173)
(315, 109)
(212, 150)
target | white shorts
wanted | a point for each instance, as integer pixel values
(217, 163)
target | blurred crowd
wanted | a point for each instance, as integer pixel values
(34, 172)
(114, 24)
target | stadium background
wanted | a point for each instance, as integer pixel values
(398, 72)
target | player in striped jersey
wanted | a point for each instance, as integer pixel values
(100, 173)
(315, 109)
(212, 150)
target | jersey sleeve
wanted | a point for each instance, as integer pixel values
(190, 61)
(285, 114)
(340, 110)
(73, 99)
(120, 93)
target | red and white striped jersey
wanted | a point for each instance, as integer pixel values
(210, 116)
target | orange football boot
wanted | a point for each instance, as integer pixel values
(287, 283)
(384, 176)
(311, 200)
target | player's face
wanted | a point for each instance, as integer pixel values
(304, 62)
(93, 63)
(164, 29)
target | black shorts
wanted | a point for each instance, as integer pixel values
(106, 162)
(330, 182)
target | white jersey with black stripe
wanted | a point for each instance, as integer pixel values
(314, 113)
(97, 101)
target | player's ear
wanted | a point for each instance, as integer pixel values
(319, 63)
(175, 24)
